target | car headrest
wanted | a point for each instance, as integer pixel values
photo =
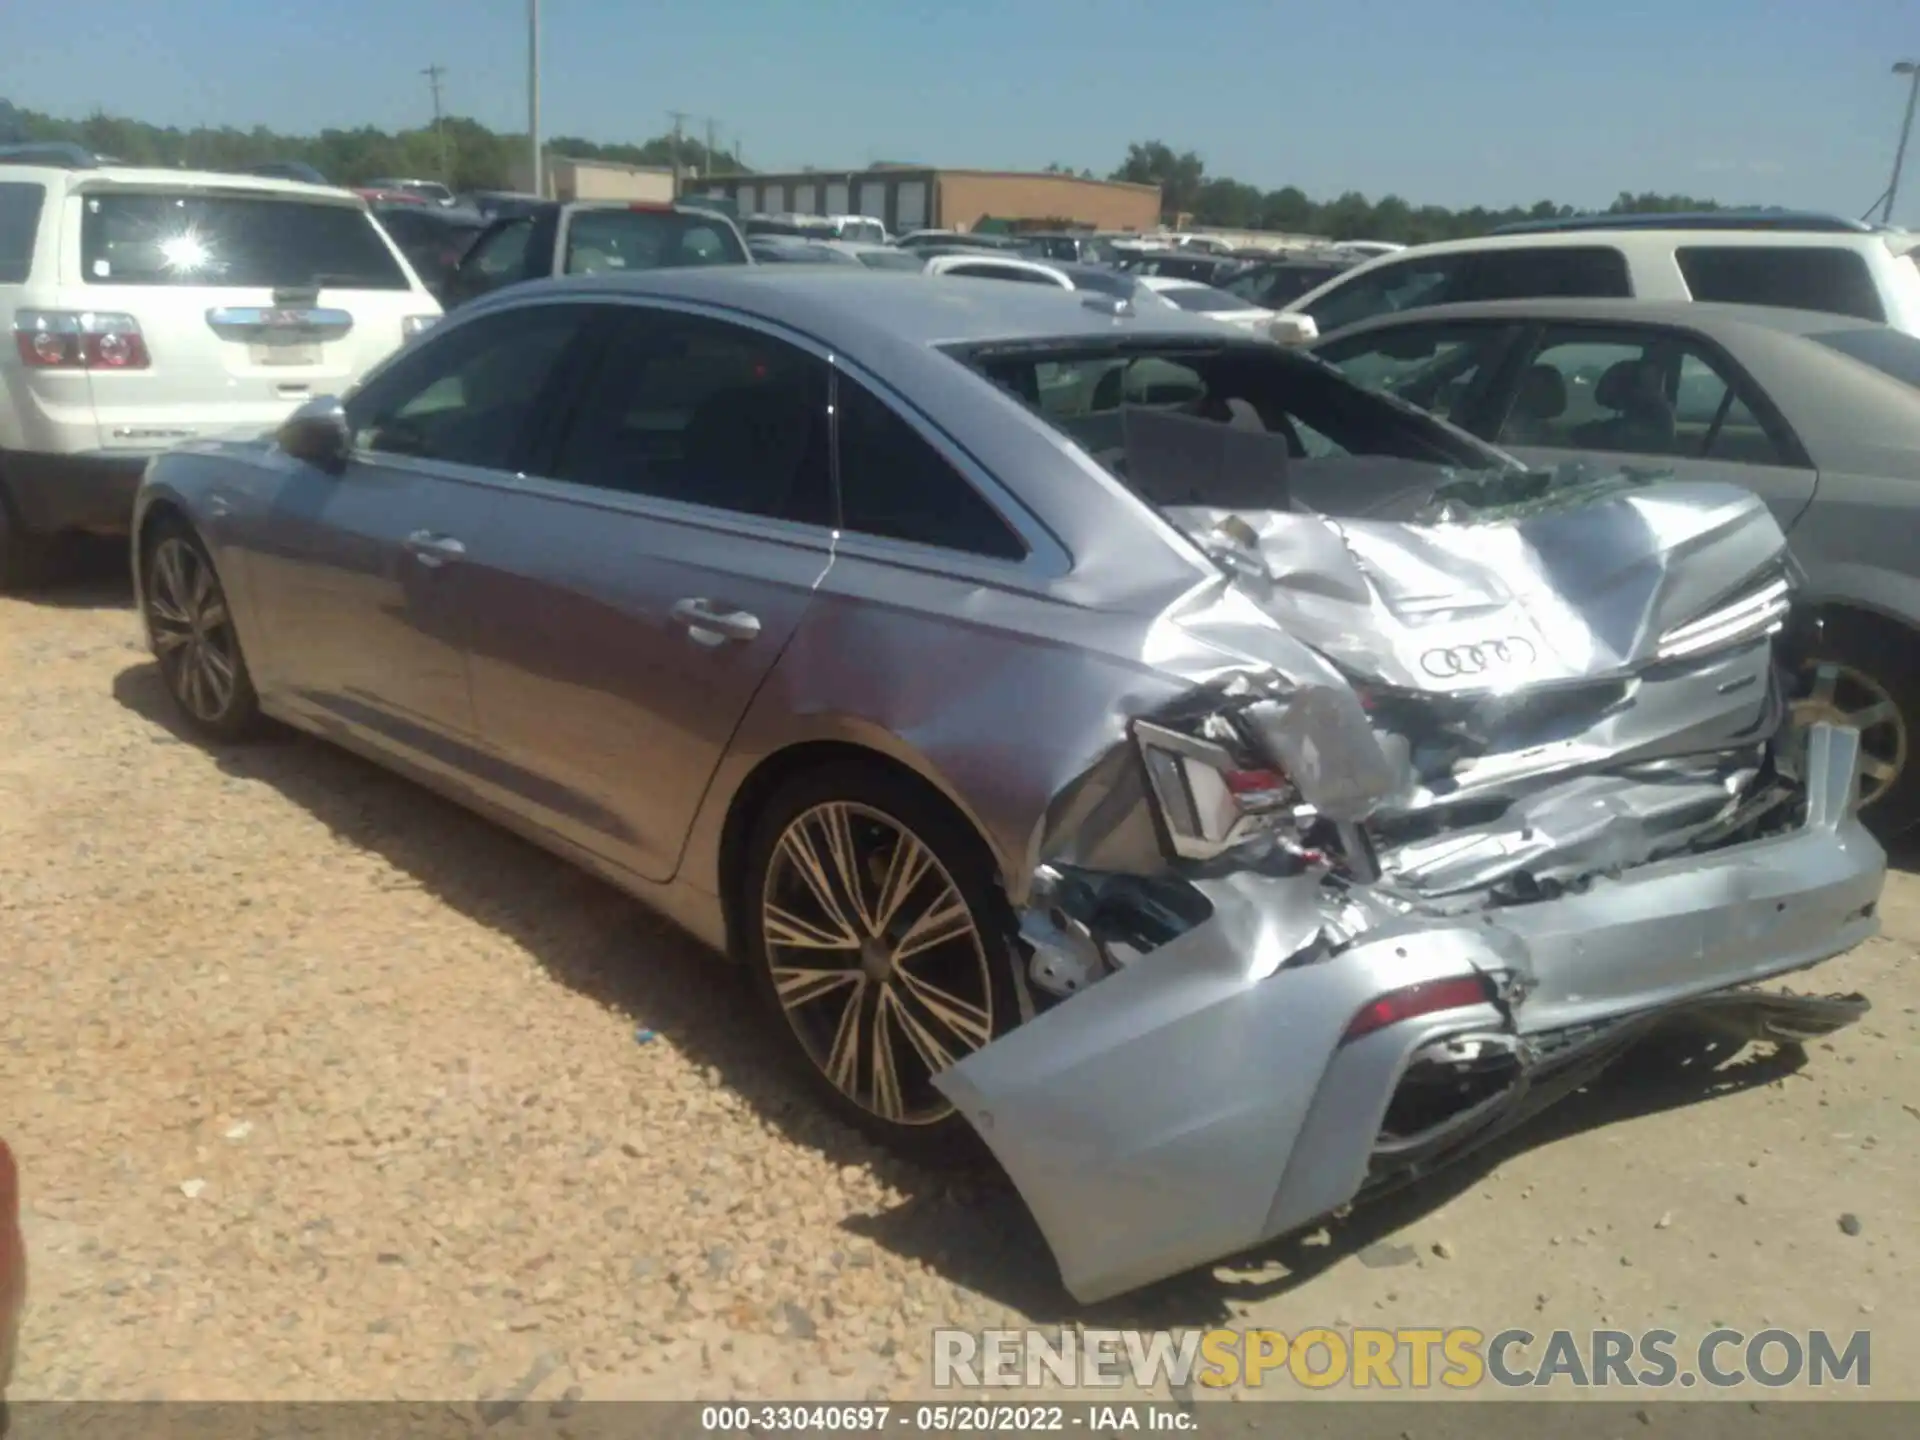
(1543, 393)
(1623, 385)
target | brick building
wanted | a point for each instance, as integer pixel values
(908, 198)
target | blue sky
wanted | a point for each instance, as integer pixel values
(1450, 101)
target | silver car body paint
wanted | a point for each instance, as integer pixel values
(1648, 835)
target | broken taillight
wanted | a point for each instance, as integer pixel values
(1208, 800)
(1410, 1002)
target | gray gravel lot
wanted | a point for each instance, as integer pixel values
(323, 1088)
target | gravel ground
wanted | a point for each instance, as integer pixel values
(323, 1088)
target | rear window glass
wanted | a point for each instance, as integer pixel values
(219, 240)
(1589, 271)
(1801, 277)
(599, 241)
(19, 222)
(1891, 352)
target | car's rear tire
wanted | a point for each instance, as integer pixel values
(870, 988)
(1865, 672)
(190, 623)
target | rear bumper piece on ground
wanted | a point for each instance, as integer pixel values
(1200, 1100)
(90, 491)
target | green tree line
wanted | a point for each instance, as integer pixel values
(461, 152)
(1186, 189)
(469, 156)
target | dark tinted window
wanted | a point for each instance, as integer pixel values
(468, 394)
(218, 240)
(1596, 272)
(705, 413)
(1399, 285)
(894, 485)
(625, 240)
(1891, 352)
(1798, 277)
(19, 223)
(502, 255)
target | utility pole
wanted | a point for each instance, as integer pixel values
(710, 134)
(433, 73)
(533, 95)
(679, 118)
(1910, 68)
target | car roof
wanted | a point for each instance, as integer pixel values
(152, 177)
(1704, 316)
(858, 308)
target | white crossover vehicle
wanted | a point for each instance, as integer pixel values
(150, 307)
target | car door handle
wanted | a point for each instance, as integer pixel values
(434, 550)
(703, 621)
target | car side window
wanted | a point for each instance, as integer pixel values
(895, 486)
(1636, 393)
(703, 412)
(1800, 277)
(1432, 366)
(468, 395)
(1402, 285)
(501, 257)
(1590, 271)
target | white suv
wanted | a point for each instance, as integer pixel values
(1803, 263)
(150, 307)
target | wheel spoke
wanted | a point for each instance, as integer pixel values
(963, 1019)
(168, 576)
(931, 1049)
(800, 853)
(792, 932)
(201, 588)
(798, 986)
(888, 1101)
(1826, 681)
(906, 867)
(218, 674)
(1878, 713)
(1874, 768)
(945, 918)
(213, 615)
(163, 609)
(843, 1060)
(193, 681)
(170, 639)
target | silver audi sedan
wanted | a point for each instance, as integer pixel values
(1222, 790)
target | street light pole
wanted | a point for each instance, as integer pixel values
(533, 95)
(1910, 68)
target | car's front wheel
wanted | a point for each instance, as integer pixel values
(190, 624)
(882, 946)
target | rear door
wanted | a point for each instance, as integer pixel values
(250, 303)
(634, 588)
(1655, 397)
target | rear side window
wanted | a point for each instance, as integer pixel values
(1590, 271)
(19, 222)
(1826, 278)
(896, 486)
(1002, 272)
(599, 241)
(146, 238)
(1891, 352)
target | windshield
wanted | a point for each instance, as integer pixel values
(147, 238)
(1204, 299)
(599, 241)
(1092, 392)
(1891, 352)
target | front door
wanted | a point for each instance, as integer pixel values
(635, 589)
(362, 576)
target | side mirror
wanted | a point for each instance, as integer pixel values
(1293, 329)
(317, 433)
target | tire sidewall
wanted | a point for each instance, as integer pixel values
(912, 804)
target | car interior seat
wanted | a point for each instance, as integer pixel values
(1542, 399)
(1643, 418)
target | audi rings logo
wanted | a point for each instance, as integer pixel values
(1485, 658)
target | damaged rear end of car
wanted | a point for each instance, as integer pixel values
(1451, 813)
